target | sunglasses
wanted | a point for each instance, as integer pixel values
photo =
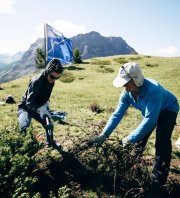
(53, 77)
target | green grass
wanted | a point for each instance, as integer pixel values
(89, 86)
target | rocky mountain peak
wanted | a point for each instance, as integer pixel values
(91, 45)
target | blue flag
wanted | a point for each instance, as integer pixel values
(57, 46)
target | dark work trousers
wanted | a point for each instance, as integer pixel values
(163, 147)
(25, 116)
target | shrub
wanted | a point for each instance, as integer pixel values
(150, 64)
(147, 56)
(64, 192)
(109, 169)
(77, 56)
(104, 69)
(40, 58)
(120, 60)
(72, 67)
(16, 163)
(101, 62)
(67, 77)
(134, 58)
(95, 108)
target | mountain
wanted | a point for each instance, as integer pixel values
(26, 65)
(91, 45)
(16, 56)
(2, 64)
(6, 59)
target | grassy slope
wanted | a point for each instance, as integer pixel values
(91, 86)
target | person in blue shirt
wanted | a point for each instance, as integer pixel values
(159, 109)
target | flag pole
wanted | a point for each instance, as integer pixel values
(45, 43)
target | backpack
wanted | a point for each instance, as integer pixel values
(10, 100)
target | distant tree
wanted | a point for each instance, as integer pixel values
(77, 56)
(40, 58)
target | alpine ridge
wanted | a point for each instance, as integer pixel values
(91, 45)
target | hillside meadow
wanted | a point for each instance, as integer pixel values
(91, 83)
(86, 93)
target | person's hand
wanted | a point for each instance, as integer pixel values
(98, 140)
(124, 142)
(43, 111)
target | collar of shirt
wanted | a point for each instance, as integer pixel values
(142, 92)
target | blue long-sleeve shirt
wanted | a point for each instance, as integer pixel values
(153, 100)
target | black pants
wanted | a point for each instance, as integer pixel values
(163, 147)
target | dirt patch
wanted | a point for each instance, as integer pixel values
(175, 163)
(105, 171)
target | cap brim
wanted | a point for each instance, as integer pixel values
(119, 82)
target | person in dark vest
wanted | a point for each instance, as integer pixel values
(35, 102)
(159, 109)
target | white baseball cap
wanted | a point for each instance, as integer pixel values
(129, 71)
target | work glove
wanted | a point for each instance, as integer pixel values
(124, 142)
(98, 140)
(47, 104)
(43, 111)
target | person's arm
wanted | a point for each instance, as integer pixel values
(152, 110)
(116, 116)
(113, 121)
(32, 95)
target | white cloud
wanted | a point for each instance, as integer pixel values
(69, 29)
(12, 47)
(38, 31)
(169, 51)
(6, 6)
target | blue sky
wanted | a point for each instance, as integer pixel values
(151, 27)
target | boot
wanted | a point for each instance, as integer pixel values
(51, 142)
(56, 145)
